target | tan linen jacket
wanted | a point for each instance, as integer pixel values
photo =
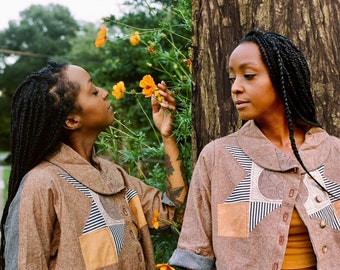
(69, 215)
(242, 195)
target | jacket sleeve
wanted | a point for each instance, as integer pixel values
(194, 249)
(152, 199)
(12, 231)
(29, 226)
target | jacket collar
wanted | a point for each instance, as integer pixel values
(107, 180)
(264, 153)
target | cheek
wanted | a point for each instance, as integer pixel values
(270, 92)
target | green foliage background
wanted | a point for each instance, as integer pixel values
(164, 52)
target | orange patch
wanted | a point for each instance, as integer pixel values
(233, 219)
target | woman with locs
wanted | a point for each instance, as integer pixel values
(68, 208)
(268, 195)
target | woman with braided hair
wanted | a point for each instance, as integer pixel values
(68, 208)
(268, 195)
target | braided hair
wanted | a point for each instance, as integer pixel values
(40, 106)
(290, 75)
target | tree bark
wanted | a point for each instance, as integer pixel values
(214, 35)
(218, 25)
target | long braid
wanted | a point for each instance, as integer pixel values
(290, 75)
(40, 106)
(290, 118)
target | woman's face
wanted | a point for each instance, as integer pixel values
(251, 88)
(96, 111)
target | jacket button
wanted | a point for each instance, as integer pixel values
(281, 240)
(125, 211)
(318, 198)
(322, 224)
(198, 251)
(275, 266)
(285, 217)
(324, 249)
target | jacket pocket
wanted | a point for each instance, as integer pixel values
(233, 219)
(98, 249)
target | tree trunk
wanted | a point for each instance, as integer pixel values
(218, 25)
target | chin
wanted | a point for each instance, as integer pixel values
(244, 117)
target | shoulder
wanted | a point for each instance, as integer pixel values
(40, 184)
(335, 141)
(220, 144)
(44, 173)
(320, 136)
(334, 145)
(216, 153)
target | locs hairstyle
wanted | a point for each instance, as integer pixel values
(40, 106)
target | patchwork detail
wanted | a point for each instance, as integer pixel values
(333, 188)
(327, 206)
(95, 220)
(248, 190)
(259, 210)
(130, 193)
(98, 218)
(242, 191)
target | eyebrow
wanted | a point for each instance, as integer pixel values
(88, 83)
(243, 65)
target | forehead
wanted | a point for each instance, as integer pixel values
(76, 73)
(245, 52)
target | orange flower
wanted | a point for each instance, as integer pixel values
(118, 90)
(148, 85)
(101, 37)
(164, 266)
(154, 220)
(135, 39)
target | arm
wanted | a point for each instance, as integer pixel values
(176, 187)
(195, 245)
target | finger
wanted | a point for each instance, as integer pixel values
(154, 105)
(162, 86)
(167, 106)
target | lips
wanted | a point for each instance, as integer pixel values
(109, 107)
(241, 104)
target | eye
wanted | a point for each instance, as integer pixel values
(231, 80)
(95, 91)
(249, 76)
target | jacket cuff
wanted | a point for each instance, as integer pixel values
(190, 260)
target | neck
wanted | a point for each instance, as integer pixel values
(278, 134)
(82, 145)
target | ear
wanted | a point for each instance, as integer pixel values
(72, 122)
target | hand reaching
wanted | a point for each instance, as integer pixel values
(163, 112)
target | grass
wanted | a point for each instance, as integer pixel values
(6, 173)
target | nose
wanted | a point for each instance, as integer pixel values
(104, 93)
(236, 87)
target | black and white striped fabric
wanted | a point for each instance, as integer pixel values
(258, 209)
(96, 219)
(242, 192)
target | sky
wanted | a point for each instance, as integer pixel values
(81, 10)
